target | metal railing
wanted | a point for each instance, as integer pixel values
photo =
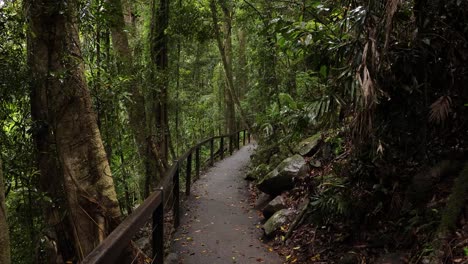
(111, 249)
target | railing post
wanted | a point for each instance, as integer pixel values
(243, 137)
(158, 233)
(248, 137)
(238, 140)
(176, 186)
(221, 147)
(212, 151)
(197, 162)
(188, 178)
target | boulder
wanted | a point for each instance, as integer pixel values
(309, 146)
(281, 178)
(262, 200)
(315, 163)
(274, 206)
(276, 221)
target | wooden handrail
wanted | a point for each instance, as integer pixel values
(153, 207)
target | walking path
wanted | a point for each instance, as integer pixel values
(218, 224)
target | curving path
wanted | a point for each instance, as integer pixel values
(218, 224)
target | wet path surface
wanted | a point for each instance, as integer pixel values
(218, 225)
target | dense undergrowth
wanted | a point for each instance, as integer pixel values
(388, 182)
(360, 209)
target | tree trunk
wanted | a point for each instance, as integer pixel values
(158, 123)
(226, 60)
(269, 79)
(242, 70)
(4, 237)
(49, 168)
(228, 97)
(136, 106)
(60, 88)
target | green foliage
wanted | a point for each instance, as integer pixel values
(16, 148)
(332, 200)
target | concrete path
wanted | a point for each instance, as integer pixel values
(218, 225)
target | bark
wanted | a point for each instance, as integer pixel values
(230, 114)
(243, 74)
(4, 235)
(177, 109)
(60, 88)
(157, 116)
(128, 202)
(225, 60)
(49, 168)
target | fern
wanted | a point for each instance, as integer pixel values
(331, 201)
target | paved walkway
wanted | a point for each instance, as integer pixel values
(218, 225)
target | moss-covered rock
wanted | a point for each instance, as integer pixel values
(276, 221)
(281, 178)
(309, 146)
(274, 206)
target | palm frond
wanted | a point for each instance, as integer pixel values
(440, 109)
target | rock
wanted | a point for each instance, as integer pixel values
(315, 163)
(281, 178)
(262, 200)
(172, 258)
(274, 206)
(276, 221)
(309, 146)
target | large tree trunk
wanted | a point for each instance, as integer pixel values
(226, 60)
(230, 115)
(157, 116)
(59, 86)
(4, 238)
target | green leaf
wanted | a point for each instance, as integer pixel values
(323, 71)
(287, 101)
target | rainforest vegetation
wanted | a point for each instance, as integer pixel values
(99, 97)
